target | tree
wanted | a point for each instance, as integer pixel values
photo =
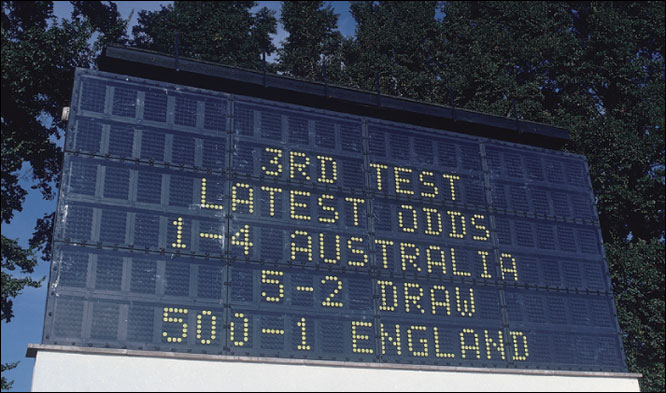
(313, 41)
(225, 32)
(39, 54)
(639, 293)
(494, 53)
(395, 41)
(596, 69)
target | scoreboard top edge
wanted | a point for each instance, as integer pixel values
(213, 76)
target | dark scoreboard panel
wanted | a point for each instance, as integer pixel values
(202, 222)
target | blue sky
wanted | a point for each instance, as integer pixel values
(26, 326)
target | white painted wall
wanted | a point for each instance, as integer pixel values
(90, 371)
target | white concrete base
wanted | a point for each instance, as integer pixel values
(91, 369)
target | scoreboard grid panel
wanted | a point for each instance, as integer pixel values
(204, 281)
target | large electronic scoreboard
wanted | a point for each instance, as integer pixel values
(202, 222)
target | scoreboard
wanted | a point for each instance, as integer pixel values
(202, 222)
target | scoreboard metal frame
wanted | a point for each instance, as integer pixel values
(205, 222)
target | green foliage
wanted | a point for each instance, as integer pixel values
(225, 31)
(313, 40)
(39, 55)
(103, 18)
(495, 52)
(6, 385)
(397, 41)
(596, 69)
(638, 277)
(14, 256)
(590, 68)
